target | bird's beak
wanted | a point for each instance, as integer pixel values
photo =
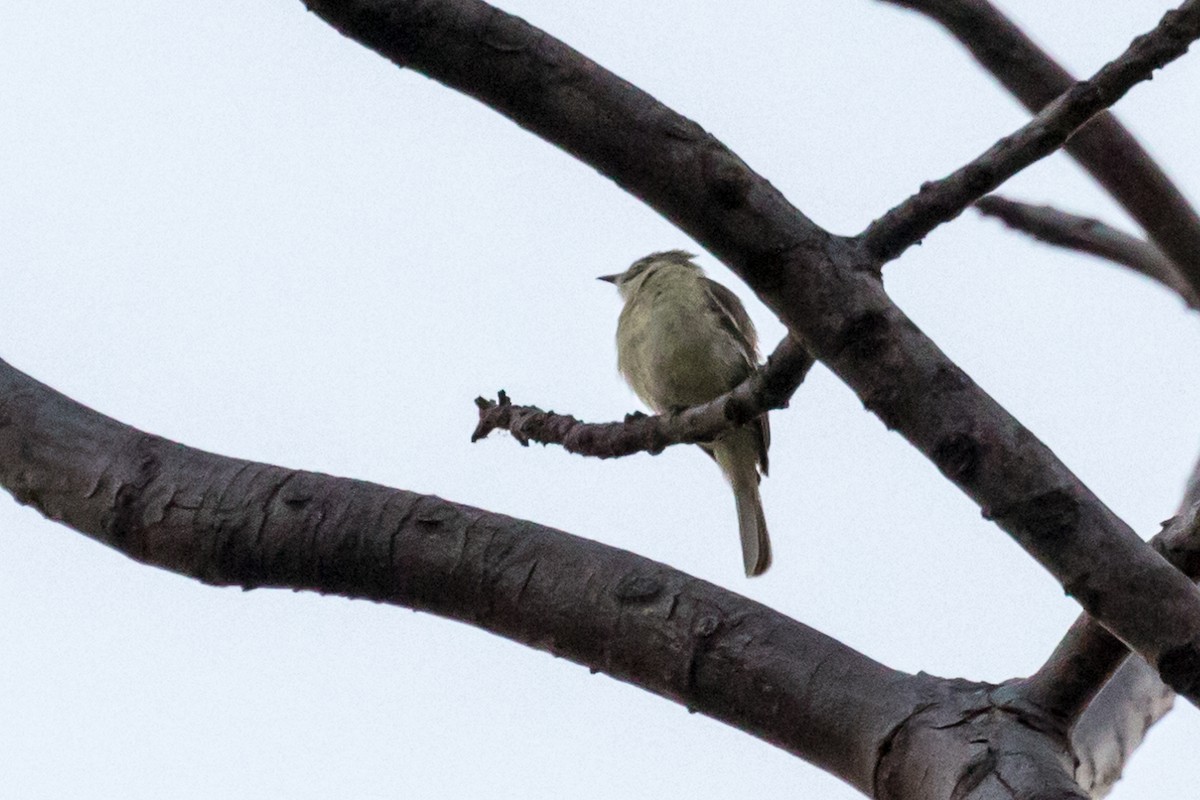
(609, 278)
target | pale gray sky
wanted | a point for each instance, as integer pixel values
(230, 226)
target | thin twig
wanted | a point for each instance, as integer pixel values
(1104, 147)
(1088, 235)
(942, 200)
(770, 387)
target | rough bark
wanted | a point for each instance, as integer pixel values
(226, 521)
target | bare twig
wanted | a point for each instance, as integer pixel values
(943, 200)
(768, 388)
(824, 288)
(1103, 147)
(1087, 235)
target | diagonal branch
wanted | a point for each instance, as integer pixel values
(1088, 655)
(822, 287)
(1103, 147)
(770, 387)
(1115, 724)
(1087, 235)
(231, 522)
(942, 200)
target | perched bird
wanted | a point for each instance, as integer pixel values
(683, 339)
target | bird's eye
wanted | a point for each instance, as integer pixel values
(634, 271)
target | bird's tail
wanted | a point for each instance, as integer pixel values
(737, 456)
(752, 525)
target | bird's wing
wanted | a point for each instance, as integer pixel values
(763, 426)
(726, 305)
(733, 316)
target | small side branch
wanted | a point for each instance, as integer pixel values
(942, 200)
(1104, 147)
(1116, 722)
(769, 388)
(1088, 235)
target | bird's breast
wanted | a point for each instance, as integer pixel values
(674, 352)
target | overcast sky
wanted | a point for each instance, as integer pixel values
(230, 226)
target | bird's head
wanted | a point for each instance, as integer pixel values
(628, 281)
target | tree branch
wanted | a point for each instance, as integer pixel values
(824, 288)
(1115, 724)
(770, 387)
(227, 522)
(1087, 235)
(1088, 655)
(1103, 146)
(942, 200)
(1117, 718)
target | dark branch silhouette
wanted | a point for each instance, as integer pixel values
(1089, 655)
(232, 522)
(1103, 147)
(942, 200)
(1087, 235)
(821, 286)
(771, 387)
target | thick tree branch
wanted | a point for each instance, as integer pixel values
(231, 522)
(1088, 655)
(1087, 235)
(1115, 724)
(1103, 147)
(770, 387)
(822, 287)
(976, 743)
(942, 200)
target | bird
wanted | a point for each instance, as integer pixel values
(684, 339)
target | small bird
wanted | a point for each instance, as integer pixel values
(683, 339)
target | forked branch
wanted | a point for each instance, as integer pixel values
(822, 287)
(1104, 147)
(942, 200)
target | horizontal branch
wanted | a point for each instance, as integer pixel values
(1088, 235)
(768, 388)
(824, 288)
(231, 522)
(942, 200)
(1104, 147)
